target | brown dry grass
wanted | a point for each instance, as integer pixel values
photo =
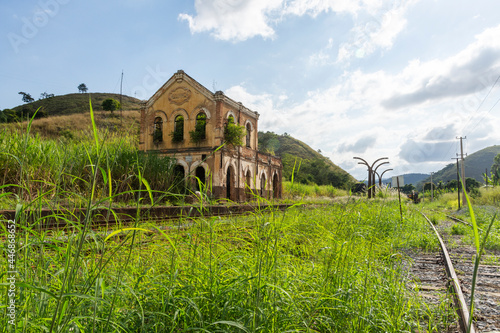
(79, 124)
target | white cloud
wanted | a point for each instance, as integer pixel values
(234, 20)
(239, 20)
(468, 72)
(351, 117)
(274, 118)
(315, 7)
(378, 30)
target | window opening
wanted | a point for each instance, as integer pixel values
(178, 134)
(158, 130)
(199, 133)
(200, 175)
(249, 131)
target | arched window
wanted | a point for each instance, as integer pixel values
(263, 186)
(179, 181)
(158, 130)
(178, 134)
(249, 132)
(200, 178)
(248, 189)
(199, 133)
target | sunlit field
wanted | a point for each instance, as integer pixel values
(331, 267)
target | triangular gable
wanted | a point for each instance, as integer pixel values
(180, 76)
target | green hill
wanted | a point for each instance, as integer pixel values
(74, 103)
(310, 165)
(475, 165)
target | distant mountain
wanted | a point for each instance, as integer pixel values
(310, 166)
(77, 103)
(409, 178)
(475, 165)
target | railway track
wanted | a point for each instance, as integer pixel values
(450, 272)
(47, 219)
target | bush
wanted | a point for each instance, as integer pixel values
(110, 104)
(233, 134)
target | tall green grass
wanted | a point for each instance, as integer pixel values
(340, 268)
(336, 269)
(294, 190)
(477, 258)
(63, 169)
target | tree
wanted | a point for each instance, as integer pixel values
(44, 95)
(26, 97)
(408, 188)
(495, 170)
(8, 116)
(82, 88)
(110, 104)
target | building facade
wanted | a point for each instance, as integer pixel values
(187, 121)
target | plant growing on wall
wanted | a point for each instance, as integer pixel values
(233, 133)
(177, 136)
(178, 133)
(199, 133)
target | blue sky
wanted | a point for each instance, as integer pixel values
(367, 78)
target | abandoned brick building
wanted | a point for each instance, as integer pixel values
(187, 121)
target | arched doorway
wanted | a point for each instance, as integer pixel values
(230, 193)
(200, 178)
(275, 186)
(179, 178)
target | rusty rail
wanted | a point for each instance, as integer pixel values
(460, 304)
(48, 218)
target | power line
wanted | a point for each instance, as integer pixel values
(472, 116)
(481, 104)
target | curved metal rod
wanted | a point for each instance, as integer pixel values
(375, 171)
(382, 158)
(380, 176)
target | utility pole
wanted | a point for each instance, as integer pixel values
(432, 188)
(458, 182)
(464, 201)
(121, 108)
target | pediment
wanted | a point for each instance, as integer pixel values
(179, 89)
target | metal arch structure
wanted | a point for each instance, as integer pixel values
(371, 174)
(375, 172)
(380, 176)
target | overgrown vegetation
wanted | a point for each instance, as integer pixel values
(199, 133)
(339, 268)
(234, 133)
(63, 168)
